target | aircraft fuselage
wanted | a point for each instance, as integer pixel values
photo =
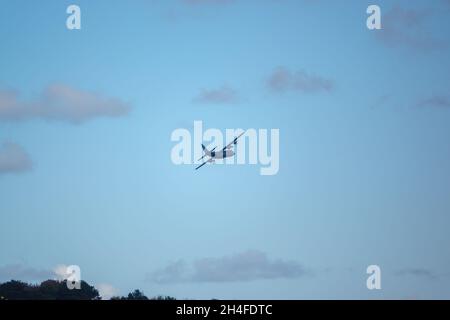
(221, 154)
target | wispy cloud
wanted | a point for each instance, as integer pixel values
(61, 102)
(437, 101)
(14, 159)
(106, 290)
(246, 266)
(282, 79)
(403, 27)
(60, 272)
(23, 273)
(417, 272)
(222, 95)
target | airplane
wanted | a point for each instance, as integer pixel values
(226, 152)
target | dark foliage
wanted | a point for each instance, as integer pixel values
(57, 290)
(135, 295)
(47, 290)
(139, 295)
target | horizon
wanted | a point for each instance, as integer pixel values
(359, 172)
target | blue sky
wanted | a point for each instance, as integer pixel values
(85, 123)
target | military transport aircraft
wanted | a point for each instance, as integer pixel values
(226, 152)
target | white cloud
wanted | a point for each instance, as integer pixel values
(282, 79)
(408, 28)
(14, 159)
(222, 95)
(60, 272)
(437, 101)
(61, 102)
(106, 291)
(246, 266)
(23, 273)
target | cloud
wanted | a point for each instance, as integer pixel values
(437, 101)
(405, 28)
(60, 272)
(417, 272)
(283, 79)
(223, 95)
(246, 266)
(173, 273)
(20, 272)
(106, 290)
(60, 102)
(24, 273)
(13, 159)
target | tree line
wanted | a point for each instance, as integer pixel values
(58, 290)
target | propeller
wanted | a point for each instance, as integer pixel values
(235, 141)
(229, 147)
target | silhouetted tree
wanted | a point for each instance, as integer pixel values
(47, 290)
(139, 295)
(57, 290)
(163, 298)
(13, 290)
(135, 295)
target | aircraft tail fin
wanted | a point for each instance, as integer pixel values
(206, 151)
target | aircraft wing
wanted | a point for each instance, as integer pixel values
(201, 165)
(233, 142)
